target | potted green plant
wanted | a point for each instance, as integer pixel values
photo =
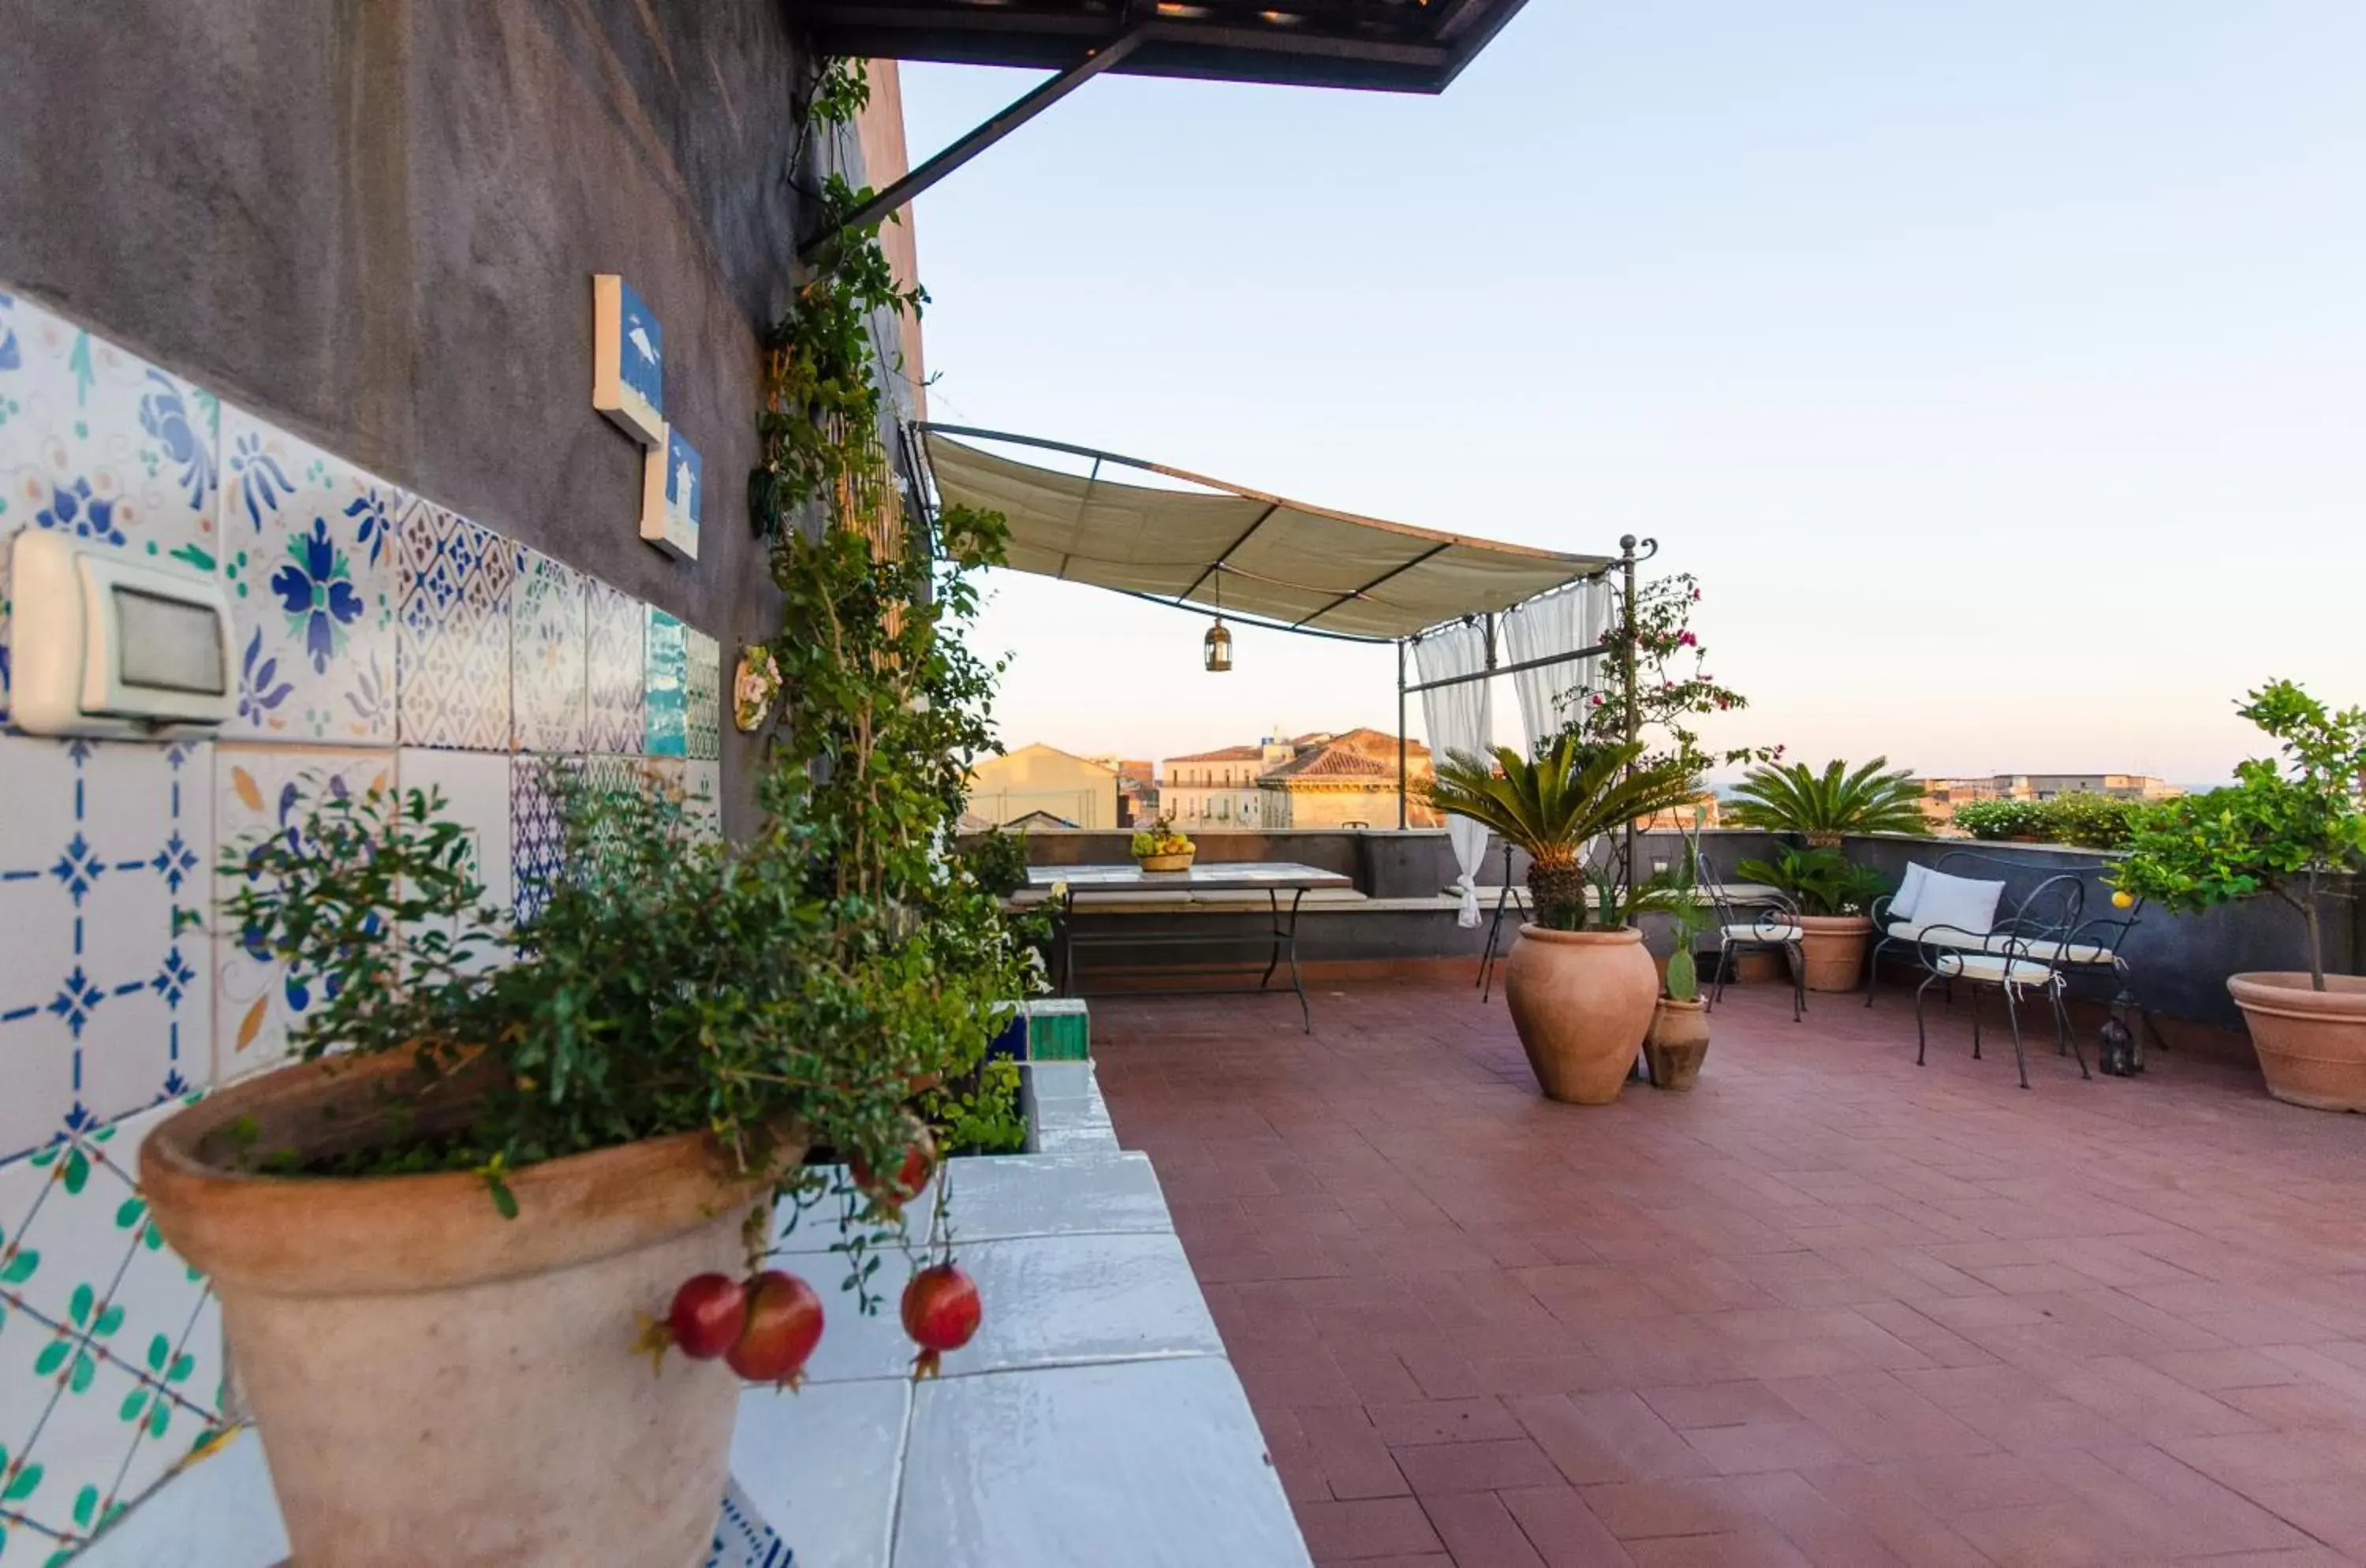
(1579, 985)
(1161, 847)
(513, 1159)
(1821, 807)
(2296, 832)
(1677, 1043)
(2002, 820)
(1830, 894)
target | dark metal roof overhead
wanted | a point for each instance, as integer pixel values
(1404, 46)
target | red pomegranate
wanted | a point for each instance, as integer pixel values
(784, 1326)
(920, 1159)
(941, 1312)
(709, 1313)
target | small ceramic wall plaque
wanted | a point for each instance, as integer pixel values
(754, 687)
(670, 497)
(627, 361)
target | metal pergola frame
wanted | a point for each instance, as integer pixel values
(1633, 552)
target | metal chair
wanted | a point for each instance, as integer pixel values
(1949, 953)
(2050, 911)
(1770, 925)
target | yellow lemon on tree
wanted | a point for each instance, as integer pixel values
(2122, 899)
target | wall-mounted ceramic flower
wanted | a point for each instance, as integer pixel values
(755, 687)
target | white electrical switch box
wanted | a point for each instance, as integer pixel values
(105, 643)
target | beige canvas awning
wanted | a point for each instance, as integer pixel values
(1247, 553)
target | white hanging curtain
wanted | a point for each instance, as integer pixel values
(1557, 623)
(1458, 718)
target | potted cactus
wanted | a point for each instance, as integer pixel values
(1678, 1042)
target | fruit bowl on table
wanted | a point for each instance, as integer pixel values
(1179, 860)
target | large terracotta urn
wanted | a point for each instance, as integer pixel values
(1582, 1002)
(435, 1383)
(1831, 951)
(2312, 1043)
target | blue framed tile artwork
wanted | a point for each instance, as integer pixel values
(667, 687)
(670, 497)
(628, 360)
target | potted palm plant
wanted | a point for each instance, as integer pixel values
(1579, 984)
(514, 1157)
(2295, 833)
(1821, 807)
(1830, 894)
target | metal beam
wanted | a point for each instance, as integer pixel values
(1354, 593)
(1594, 651)
(1218, 564)
(963, 148)
(1247, 620)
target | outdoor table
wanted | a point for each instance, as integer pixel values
(1273, 878)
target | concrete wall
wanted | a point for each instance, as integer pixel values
(374, 224)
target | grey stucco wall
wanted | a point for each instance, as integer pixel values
(374, 223)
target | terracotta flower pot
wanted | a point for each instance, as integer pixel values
(1582, 1002)
(1677, 1044)
(2312, 1043)
(1831, 951)
(433, 1383)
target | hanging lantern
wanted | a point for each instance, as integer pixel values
(1219, 647)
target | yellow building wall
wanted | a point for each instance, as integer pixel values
(1039, 778)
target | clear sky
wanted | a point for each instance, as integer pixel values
(1999, 369)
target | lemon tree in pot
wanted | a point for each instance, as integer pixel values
(1821, 807)
(1579, 985)
(515, 1159)
(2294, 832)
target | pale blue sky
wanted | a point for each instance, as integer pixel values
(1999, 369)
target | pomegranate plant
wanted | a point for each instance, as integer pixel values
(942, 1311)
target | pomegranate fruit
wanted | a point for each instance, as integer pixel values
(941, 1312)
(784, 1326)
(920, 1159)
(709, 1312)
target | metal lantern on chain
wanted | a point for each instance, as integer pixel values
(1217, 647)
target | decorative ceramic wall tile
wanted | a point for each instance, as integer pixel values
(537, 838)
(742, 1537)
(110, 1350)
(616, 670)
(702, 694)
(100, 443)
(547, 655)
(308, 548)
(666, 691)
(702, 792)
(104, 1006)
(454, 633)
(266, 791)
(475, 787)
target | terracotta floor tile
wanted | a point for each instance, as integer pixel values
(1920, 1315)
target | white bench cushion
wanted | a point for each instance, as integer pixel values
(1769, 933)
(1993, 968)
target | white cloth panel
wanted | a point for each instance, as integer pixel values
(1558, 623)
(1458, 719)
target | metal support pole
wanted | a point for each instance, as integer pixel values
(1402, 814)
(1626, 673)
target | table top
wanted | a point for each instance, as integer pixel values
(1218, 876)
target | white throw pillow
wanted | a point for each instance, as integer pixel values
(1902, 906)
(1958, 902)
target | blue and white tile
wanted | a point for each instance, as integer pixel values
(825, 1461)
(308, 553)
(744, 1538)
(217, 1512)
(537, 834)
(547, 655)
(103, 1000)
(702, 695)
(702, 794)
(666, 689)
(615, 671)
(81, 1441)
(452, 641)
(97, 442)
(265, 792)
(1059, 1465)
(474, 788)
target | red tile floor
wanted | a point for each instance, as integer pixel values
(1827, 1308)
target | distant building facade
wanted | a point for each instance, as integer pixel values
(1044, 780)
(1316, 780)
(1941, 796)
(1137, 788)
(1218, 789)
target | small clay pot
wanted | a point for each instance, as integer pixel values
(1677, 1044)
